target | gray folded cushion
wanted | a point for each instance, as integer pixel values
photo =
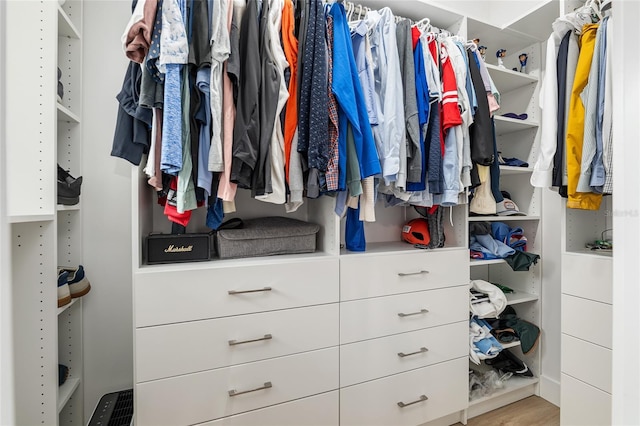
(267, 236)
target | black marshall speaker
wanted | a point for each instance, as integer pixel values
(174, 248)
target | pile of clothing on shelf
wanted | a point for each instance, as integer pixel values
(494, 324)
(496, 240)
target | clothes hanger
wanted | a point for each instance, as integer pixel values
(424, 25)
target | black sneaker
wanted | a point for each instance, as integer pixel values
(63, 374)
(68, 188)
(60, 87)
(509, 363)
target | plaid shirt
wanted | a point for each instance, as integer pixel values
(332, 167)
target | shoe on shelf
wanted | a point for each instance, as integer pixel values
(78, 283)
(63, 374)
(68, 188)
(60, 86)
(64, 292)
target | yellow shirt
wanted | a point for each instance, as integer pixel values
(575, 125)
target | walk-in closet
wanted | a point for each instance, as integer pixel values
(318, 212)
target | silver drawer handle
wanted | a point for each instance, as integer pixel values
(240, 342)
(249, 291)
(420, 351)
(421, 311)
(406, 274)
(266, 385)
(421, 399)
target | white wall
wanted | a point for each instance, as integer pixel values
(6, 337)
(626, 215)
(551, 289)
(106, 208)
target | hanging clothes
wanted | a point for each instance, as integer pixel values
(390, 133)
(348, 92)
(246, 133)
(275, 191)
(562, 65)
(230, 81)
(575, 125)
(548, 98)
(412, 124)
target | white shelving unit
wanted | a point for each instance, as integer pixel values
(40, 132)
(520, 139)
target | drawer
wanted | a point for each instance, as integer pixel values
(199, 397)
(401, 272)
(587, 320)
(203, 293)
(587, 362)
(170, 350)
(380, 357)
(319, 410)
(590, 277)
(384, 316)
(445, 387)
(582, 404)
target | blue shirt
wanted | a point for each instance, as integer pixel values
(422, 95)
(348, 92)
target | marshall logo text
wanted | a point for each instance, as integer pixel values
(181, 249)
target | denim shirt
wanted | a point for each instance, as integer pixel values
(388, 81)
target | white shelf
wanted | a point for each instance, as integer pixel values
(510, 345)
(505, 125)
(495, 38)
(65, 307)
(511, 385)
(63, 208)
(502, 218)
(475, 262)
(392, 247)
(507, 80)
(439, 15)
(537, 23)
(66, 390)
(513, 170)
(66, 28)
(520, 297)
(65, 114)
(592, 253)
(30, 218)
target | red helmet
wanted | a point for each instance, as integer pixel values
(416, 231)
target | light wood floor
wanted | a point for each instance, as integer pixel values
(532, 411)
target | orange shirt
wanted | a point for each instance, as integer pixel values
(290, 44)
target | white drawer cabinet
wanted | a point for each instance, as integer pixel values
(379, 275)
(583, 404)
(199, 397)
(294, 349)
(213, 292)
(426, 394)
(587, 362)
(385, 356)
(588, 279)
(587, 315)
(318, 410)
(174, 349)
(587, 320)
(383, 316)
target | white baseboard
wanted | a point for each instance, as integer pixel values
(550, 390)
